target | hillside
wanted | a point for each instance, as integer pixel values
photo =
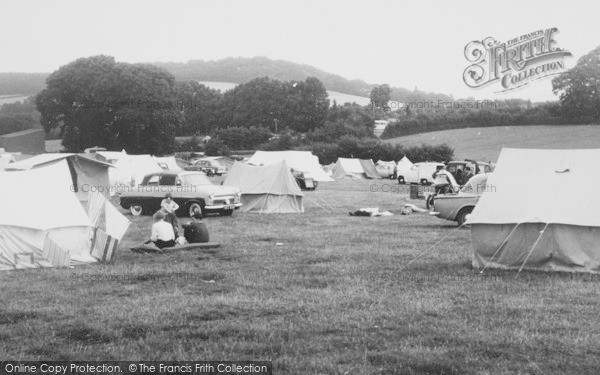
(485, 143)
(333, 95)
(235, 70)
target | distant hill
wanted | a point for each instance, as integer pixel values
(22, 83)
(241, 70)
(236, 70)
(484, 144)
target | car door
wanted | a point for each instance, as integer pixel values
(413, 174)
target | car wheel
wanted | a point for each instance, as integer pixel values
(401, 180)
(463, 215)
(424, 181)
(195, 206)
(136, 209)
(226, 212)
(429, 203)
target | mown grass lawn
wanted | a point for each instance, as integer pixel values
(317, 293)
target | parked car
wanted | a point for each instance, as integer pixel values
(190, 190)
(457, 204)
(209, 166)
(477, 167)
(419, 173)
(386, 170)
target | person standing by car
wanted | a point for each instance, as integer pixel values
(195, 231)
(440, 180)
(169, 207)
(162, 232)
(466, 176)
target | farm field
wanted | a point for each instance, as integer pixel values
(316, 293)
(485, 143)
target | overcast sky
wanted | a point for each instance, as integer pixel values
(403, 43)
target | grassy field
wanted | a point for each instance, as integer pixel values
(485, 143)
(317, 293)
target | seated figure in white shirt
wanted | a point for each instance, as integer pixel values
(162, 232)
(168, 207)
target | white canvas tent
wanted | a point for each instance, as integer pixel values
(354, 169)
(5, 159)
(38, 210)
(404, 165)
(79, 174)
(540, 211)
(167, 163)
(266, 189)
(129, 169)
(43, 224)
(303, 161)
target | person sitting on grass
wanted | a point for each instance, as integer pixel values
(168, 206)
(195, 231)
(162, 232)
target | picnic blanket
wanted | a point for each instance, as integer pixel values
(152, 248)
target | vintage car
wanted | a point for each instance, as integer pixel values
(209, 166)
(420, 173)
(458, 203)
(190, 190)
(386, 169)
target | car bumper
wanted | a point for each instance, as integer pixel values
(222, 206)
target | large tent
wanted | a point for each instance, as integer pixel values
(129, 169)
(79, 173)
(167, 163)
(355, 169)
(266, 189)
(303, 161)
(42, 224)
(540, 211)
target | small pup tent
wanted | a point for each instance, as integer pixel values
(266, 189)
(303, 161)
(354, 168)
(540, 211)
(80, 174)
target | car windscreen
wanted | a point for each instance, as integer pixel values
(195, 179)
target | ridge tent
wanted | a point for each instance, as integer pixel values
(369, 168)
(81, 174)
(266, 189)
(355, 169)
(41, 222)
(404, 165)
(129, 169)
(302, 161)
(539, 211)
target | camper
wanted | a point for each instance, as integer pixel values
(420, 173)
